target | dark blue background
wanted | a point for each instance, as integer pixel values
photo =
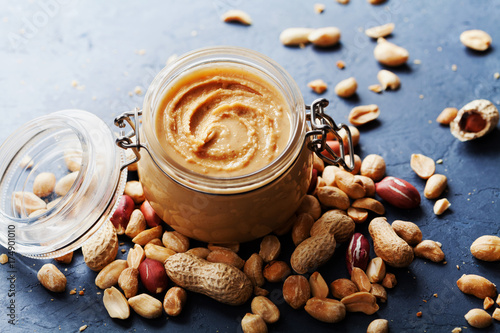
(46, 44)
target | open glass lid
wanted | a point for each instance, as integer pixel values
(60, 180)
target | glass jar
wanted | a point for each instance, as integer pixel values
(211, 209)
(48, 144)
(234, 209)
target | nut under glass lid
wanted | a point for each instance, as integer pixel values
(78, 149)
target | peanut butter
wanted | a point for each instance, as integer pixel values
(223, 121)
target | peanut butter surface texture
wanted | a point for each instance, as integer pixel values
(223, 121)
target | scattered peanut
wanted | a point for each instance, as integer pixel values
(146, 306)
(331, 196)
(341, 288)
(136, 256)
(346, 88)
(429, 249)
(276, 271)
(221, 282)
(266, 309)
(325, 309)
(296, 291)
(174, 301)
(295, 36)
(200, 252)
(176, 241)
(319, 288)
(311, 206)
(158, 253)
(476, 285)
(52, 278)
(373, 166)
(116, 304)
(379, 292)
(476, 39)
(408, 231)
(447, 115)
(226, 256)
(378, 326)
(318, 86)
(435, 186)
(389, 281)
(4, 259)
(388, 79)
(369, 204)
(376, 88)
(270, 248)
(478, 318)
(390, 54)
(441, 206)
(253, 323)
(319, 8)
(486, 248)
(129, 281)
(325, 37)
(134, 189)
(488, 303)
(361, 302)
(253, 269)
(110, 274)
(235, 15)
(363, 114)
(376, 270)
(423, 166)
(65, 259)
(380, 31)
(147, 235)
(136, 224)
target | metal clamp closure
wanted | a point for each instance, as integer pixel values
(321, 125)
(127, 141)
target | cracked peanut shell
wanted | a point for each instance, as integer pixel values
(474, 120)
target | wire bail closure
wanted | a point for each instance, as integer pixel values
(321, 125)
(126, 141)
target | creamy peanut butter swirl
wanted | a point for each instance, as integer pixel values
(223, 121)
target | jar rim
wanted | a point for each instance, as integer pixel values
(270, 70)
